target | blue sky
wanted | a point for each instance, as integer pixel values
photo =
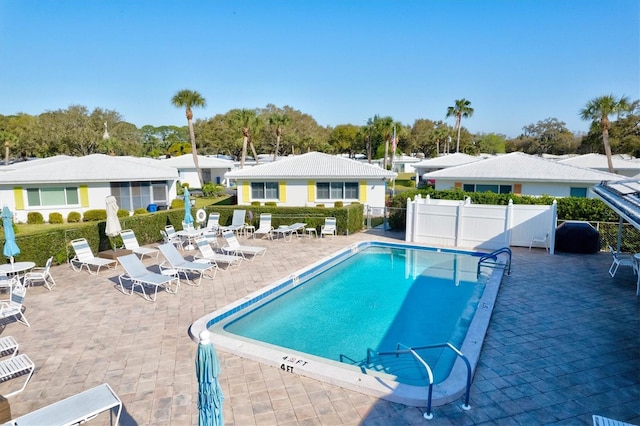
(518, 62)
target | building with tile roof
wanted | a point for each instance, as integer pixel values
(520, 173)
(621, 166)
(213, 169)
(311, 179)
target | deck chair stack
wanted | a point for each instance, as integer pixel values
(84, 258)
(234, 247)
(182, 266)
(209, 255)
(131, 243)
(139, 276)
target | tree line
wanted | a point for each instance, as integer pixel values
(278, 131)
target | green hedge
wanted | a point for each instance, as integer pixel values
(54, 241)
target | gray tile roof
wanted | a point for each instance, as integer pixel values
(445, 161)
(312, 165)
(599, 161)
(186, 161)
(90, 168)
(522, 167)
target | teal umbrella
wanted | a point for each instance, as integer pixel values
(10, 247)
(210, 396)
(187, 207)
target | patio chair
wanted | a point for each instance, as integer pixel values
(620, 260)
(264, 228)
(13, 308)
(237, 222)
(234, 247)
(329, 227)
(40, 274)
(213, 222)
(140, 276)
(84, 258)
(178, 263)
(542, 240)
(207, 253)
(288, 230)
(177, 242)
(6, 284)
(131, 243)
(606, 421)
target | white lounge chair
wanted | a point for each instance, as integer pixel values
(287, 231)
(13, 308)
(213, 222)
(237, 222)
(207, 254)
(234, 247)
(173, 237)
(140, 276)
(177, 242)
(540, 239)
(17, 366)
(40, 274)
(74, 410)
(85, 258)
(178, 263)
(620, 260)
(264, 228)
(329, 227)
(131, 243)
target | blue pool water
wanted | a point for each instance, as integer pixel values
(374, 299)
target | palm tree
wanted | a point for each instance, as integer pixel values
(247, 119)
(598, 111)
(278, 120)
(188, 99)
(459, 111)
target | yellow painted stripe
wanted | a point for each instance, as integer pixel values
(282, 192)
(84, 196)
(311, 191)
(18, 198)
(245, 192)
(363, 192)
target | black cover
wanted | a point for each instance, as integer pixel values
(577, 237)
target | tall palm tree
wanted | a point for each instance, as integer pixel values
(461, 110)
(247, 120)
(598, 111)
(188, 99)
(278, 120)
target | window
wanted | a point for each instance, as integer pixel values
(52, 196)
(264, 191)
(496, 189)
(578, 192)
(337, 190)
(138, 195)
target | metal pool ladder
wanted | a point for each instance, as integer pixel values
(491, 260)
(412, 350)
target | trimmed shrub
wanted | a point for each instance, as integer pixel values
(94, 215)
(256, 203)
(123, 213)
(320, 206)
(35, 218)
(338, 204)
(140, 211)
(55, 218)
(177, 203)
(270, 204)
(74, 217)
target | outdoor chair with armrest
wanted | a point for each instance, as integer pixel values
(84, 258)
(234, 247)
(175, 261)
(41, 274)
(620, 259)
(207, 254)
(237, 222)
(141, 277)
(13, 308)
(131, 243)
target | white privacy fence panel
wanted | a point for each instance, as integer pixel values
(462, 224)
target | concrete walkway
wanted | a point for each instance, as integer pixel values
(563, 344)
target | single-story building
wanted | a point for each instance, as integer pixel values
(442, 162)
(66, 184)
(213, 169)
(599, 162)
(311, 179)
(521, 174)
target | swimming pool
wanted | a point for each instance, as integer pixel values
(334, 330)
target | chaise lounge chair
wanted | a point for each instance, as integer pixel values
(289, 230)
(620, 260)
(175, 261)
(140, 276)
(265, 228)
(237, 222)
(131, 243)
(234, 247)
(85, 258)
(207, 254)
(329, 227)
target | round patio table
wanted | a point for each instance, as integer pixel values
(16, 267)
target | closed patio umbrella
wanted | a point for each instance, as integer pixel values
(11, 249)
(113, 227)
(188, 218)
(210, 396)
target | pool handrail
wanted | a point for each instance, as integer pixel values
(412, 350)
(491, 260)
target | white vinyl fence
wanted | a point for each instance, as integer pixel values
(462, 224)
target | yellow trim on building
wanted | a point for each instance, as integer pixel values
(84, 195)
(362, 196)
(311, 191)
(282, 192)
(18, 198)
(245, 192)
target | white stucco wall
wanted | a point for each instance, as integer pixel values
(190, 176)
